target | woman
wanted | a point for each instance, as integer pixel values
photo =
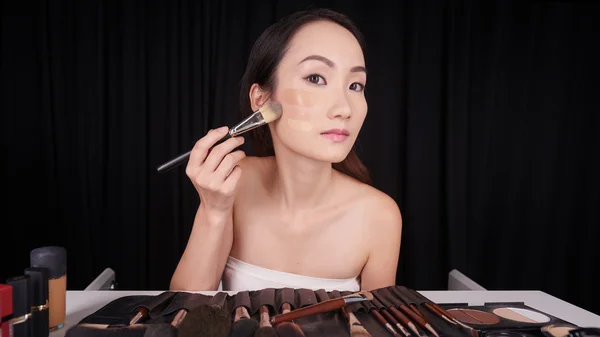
(302, 213)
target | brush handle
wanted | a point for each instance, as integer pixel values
(286, 307)
(264, 316)
(392, 320)
(407, 297)
(326, 306)
(241, 313)
(183, 157)
(384, 322)
(414, 317)
(356, 327)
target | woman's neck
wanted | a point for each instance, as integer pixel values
(301, 183)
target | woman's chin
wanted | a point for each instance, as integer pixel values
(332, 157)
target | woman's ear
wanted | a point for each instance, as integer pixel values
(258, 97)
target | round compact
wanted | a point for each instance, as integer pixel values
(557, 330)
(474, 316)
(522, 315)
(507, 334)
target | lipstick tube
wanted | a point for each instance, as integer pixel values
(21, 305)
(6, 311)
(38, 292)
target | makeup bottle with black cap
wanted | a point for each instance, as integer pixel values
(38, 287)
(21, 305)
(6, 310)
(54, 259)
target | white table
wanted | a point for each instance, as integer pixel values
(83, 303)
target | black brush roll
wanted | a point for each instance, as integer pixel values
(285, 295)
(263, 297)
(241, 298)
(383, 298)
(406, 296)
(185, 300)
(117, 312)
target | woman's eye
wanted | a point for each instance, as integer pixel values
(316, 79)
(357, 86)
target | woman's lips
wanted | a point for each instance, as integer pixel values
(336, 135)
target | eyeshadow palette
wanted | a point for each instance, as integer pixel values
(509, 319)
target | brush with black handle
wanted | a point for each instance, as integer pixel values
(266, 114)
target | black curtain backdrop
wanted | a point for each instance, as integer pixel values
(482, 126)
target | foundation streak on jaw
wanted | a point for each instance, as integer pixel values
(300, 99)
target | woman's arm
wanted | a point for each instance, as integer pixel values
(202, 263)
(385, 237)
(214, 171)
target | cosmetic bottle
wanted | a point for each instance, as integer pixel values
(54, 259)
(38, 292)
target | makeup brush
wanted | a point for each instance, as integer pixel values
(392, 321)
(176, 322)
(388, 321)
(154, 305)
(405, 296)
(243, 325)
(393, 312)
(206, 321)
(413, 316)
(439, 311)
(137, 330)
(265, 328)
(321, 307)
(355, 326)
(288, 329)
(264, 115)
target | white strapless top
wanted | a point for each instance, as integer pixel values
(239, 275)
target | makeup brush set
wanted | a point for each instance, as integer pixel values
(391, 311)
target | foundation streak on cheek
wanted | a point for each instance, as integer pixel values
(295, 103)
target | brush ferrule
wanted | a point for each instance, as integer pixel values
(357, 298)
(251, 122)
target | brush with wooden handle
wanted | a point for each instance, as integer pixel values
(439, 311)
(417, 318)
(265, 328)
(354, 325)
(288, 329)
(389, 321)
(243, 325)
(325, 306)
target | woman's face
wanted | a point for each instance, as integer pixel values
(320, 83)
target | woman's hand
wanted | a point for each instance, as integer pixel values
(214, 172)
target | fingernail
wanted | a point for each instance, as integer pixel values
(222, 129)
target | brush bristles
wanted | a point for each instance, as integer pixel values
(289, 329)
(359, 331)
(245, 327)
(271, 111)
(265, 331)
(206, 321)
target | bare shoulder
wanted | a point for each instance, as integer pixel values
(380, 211)
(384, 213)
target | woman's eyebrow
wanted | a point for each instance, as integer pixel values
(331, 64)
